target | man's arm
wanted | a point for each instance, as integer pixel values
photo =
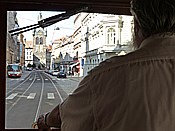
(53, 118)
(50, 119)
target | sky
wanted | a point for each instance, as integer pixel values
(26, 18)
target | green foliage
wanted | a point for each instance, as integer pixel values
(34, 65)
(29, 65)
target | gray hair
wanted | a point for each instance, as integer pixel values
(154, 16)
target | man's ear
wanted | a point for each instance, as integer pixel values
(138, 35)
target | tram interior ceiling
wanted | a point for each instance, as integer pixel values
(119, 7)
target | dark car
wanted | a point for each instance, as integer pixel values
(61, 74)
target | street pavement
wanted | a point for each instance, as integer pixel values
(25, 74)
(74, 78)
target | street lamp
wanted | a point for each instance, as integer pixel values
(52, 62)
(120, 26)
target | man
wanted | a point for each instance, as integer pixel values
(135, 92)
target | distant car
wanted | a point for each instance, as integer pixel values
(29, 69)
(46, 70)
(55, 72)
(50, 71)
(61, 74)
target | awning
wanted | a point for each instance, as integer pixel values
(75, 64)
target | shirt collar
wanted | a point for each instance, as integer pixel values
(159, 40)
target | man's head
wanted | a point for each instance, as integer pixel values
(153, 17)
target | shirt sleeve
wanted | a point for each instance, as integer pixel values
(76, 111)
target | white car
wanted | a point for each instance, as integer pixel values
(55, 72)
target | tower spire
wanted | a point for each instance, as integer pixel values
(40, 16)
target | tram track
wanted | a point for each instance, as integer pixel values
(37, 94)
(59, 94)
(19, 85)
(16, 101)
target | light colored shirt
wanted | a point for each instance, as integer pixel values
(135, 92)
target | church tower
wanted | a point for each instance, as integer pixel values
(39, 45)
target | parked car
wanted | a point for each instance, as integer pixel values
(61, 74)
(50, 71)
(55, 72)
(29, 69)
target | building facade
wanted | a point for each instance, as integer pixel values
(28, 53)
(21, 49)
(62, 54)
(39, 46)
(103, 36)
(48, 57)
(96, 38)
(12, 41)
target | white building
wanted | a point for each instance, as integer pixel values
(28, 53)
(96, 37)
(102, 36)
(62, 53)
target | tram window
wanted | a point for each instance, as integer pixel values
(53, 69)
(41, 86)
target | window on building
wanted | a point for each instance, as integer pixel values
(41, 40)
(37, 40)
(111, 36)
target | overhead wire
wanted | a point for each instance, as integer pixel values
(48, 21)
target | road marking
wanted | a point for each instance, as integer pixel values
(40, 99)
(50, 96)
(22, 96)
(31, 96)
(11, 96)
(30, 79)
(38, 79)
(14, 79)
(10, 108)
(46, 79)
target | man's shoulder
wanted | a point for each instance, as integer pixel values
(120, 61)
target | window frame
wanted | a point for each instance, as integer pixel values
(111, 34)
(114, 6)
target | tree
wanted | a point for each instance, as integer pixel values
(39, 66)
(29, 65)
(34, 65)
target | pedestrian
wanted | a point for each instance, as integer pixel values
(135, 92)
